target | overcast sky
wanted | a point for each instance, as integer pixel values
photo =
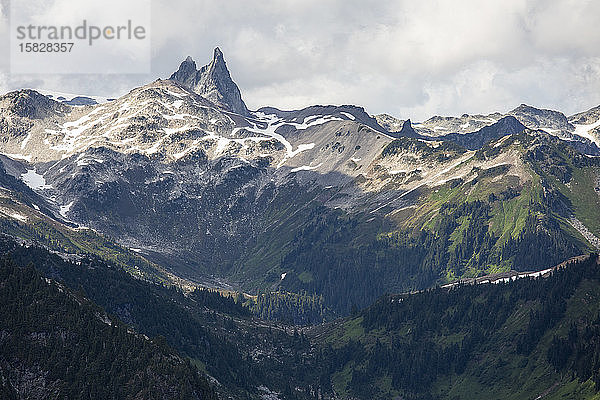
(411, 59)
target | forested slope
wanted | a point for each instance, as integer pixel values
(506, 340)
(55, 343)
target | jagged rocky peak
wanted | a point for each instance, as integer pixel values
(390, 123)
(27, 103)
(186, 72)
(22, 109)
(407, 130)
(440, 125)
(536, 118)
(586, 117)
(509, 124)
(213, 82)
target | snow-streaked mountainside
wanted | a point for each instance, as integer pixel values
(73, 99)
(181, 171)
(579, 127)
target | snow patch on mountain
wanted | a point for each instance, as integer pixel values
(273, 122)
(65, 209)
(17, 156)
(72, 98)
(584, 131)
(25, 141)
(34, 180)
(305, 168)
(14, 215)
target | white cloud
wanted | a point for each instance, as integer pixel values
(411, 59)
(3, 83)
(3, 36)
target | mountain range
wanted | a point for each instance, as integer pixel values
(312, 213)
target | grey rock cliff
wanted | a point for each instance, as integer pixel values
(212, 82)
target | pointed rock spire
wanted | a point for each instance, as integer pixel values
(213, 82)
(407, 130)
(186, 71)
(218, 54)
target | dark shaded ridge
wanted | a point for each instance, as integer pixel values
(57, 344)
(471, 141)
(216, 332)
(151, 309)
(475, 140)
(344, 112)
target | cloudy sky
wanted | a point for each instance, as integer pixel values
(411, 59)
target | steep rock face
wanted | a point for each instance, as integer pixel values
(20, 110)
(506, 126)
(587, 124)
(30, 104)
(536, 118)
(390, 123)
(407, 130)
(439, 125)
(192, 212)
(213, 82)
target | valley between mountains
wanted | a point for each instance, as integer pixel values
(341, 249)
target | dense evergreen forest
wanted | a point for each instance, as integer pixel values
(419, 339)
(291, 308)
(54, 343)
(350, 273)
(217, 333)
(427, 345)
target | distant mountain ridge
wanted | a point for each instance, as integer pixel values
(581, 127)
(307, 201)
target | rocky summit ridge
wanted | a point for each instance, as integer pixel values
(212, 81)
